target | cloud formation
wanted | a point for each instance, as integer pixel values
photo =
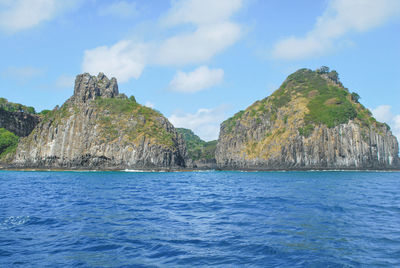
(205, 122)
(119, 9)
(149, 104)
(383, 113)
(340, 18)
(211, 31)
(18, 15)
(124, 60)
(197, 80)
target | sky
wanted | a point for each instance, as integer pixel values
(199, 61)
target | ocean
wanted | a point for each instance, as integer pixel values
(199, 219)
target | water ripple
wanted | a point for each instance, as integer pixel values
(187, 219)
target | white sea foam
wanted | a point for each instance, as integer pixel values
(13, 221)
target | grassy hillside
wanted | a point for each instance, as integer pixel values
(197, 148)
(328, 102)
(306, 101)
(119, 118)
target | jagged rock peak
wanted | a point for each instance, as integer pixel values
(88, 87)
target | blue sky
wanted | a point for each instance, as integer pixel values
(199, 61)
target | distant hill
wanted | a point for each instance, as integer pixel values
(200, 152)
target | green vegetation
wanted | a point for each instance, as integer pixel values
(306, 131)
(8, 142)
(118, 112)
(231, 122)
(5, 105)
(116, 105)
(132, 98)
(57, 115)
(355, 97)
(44, 112)
(322, 70)
(331, 107)
(328, 102)
(197, 148)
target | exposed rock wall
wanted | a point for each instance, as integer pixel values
(347, 146)
(85, 135)
(20, 123)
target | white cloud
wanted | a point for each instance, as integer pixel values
(149, 104)
(212, 32)
(20, 15)
(383, 113)
(396, 126)
(124, 9)
(340, 17)
(201, 12)
(124, 60)
(65, 81)
(197, 80)
(198, 46)
(22, 73)
(205, 122)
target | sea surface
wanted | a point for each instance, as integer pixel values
(199, 219)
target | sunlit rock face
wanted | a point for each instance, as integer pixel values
(98, 128)
(310, 122)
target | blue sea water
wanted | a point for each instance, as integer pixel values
(199, 219)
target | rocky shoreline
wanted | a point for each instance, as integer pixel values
(311, 123)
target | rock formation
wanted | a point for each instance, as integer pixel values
(310, 122)
(98, 128)
(19, 123)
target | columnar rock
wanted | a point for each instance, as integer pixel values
(310, 122)
(98, 128)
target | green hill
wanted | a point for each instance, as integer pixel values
(311, 121)
(196, 147)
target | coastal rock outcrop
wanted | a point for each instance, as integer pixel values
(98, 128)
(311, 122)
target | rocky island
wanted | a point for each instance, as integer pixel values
(311, 122)
(98, 128)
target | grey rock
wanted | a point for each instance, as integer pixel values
(346, 146)
(89, 87)
(90, 137)
(20, 123)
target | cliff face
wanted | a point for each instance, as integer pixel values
(98, 128)
(310, 122)
(19, 123)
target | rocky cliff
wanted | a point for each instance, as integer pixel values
(311, 122)
(98, 128)
(17, 118)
